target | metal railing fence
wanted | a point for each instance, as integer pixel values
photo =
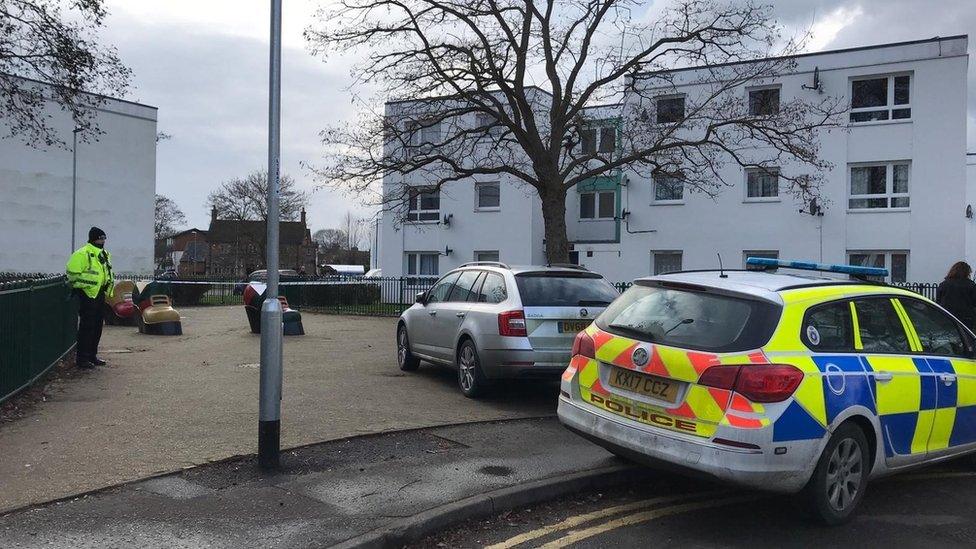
(38, 326)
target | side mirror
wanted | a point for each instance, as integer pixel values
(422, 298)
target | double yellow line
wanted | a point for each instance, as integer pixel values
(673, 505)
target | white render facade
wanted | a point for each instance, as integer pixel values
(116, 185)
(895, 197)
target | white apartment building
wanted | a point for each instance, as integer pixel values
(115, 184)
(896, 197)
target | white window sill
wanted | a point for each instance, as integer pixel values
(601, 219)
(479, 210)
(761, 199)
(877, 210)
(667, 203)
(431, 222)
(879, 122)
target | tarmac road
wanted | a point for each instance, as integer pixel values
(928, 508)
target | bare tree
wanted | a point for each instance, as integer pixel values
(507, 87)
(49, 51)
(330, 239)
(169, 216)
(247, 198)
(353, 227)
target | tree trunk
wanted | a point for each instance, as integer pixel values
(554, 217)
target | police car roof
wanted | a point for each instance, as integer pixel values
(760, 283)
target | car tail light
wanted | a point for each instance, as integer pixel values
(583, 345)
(756, 382)
(511, 323)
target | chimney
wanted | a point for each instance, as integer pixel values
(303, 216)
(213, 214)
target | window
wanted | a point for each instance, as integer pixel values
(486, 256)
(608, 140)
(559, 290)
(488, 196)
(442, 289)
(765, 254)
(668, 189)
(670, 110)
(465, 285)
(421, 134)
(881, 98)
(598, 205)
(878, 186)
(493, 290)
(486, 121)
(665, 262)
(762, 184)
(828, 328)
(422, 265)
(602, 139)
(764, 101)
(896, 262)
(879, 326)
(937, 332)
(424, 205)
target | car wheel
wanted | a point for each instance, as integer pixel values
(840, 479)
(471, 380)
(405, 359)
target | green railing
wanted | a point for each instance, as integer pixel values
(38, 326)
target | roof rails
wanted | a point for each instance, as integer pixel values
(485, 263)
(568, 266)
(763, 263)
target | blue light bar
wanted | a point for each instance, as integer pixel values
(811, 266)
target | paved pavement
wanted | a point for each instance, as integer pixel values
(327, 493)
(165, 403)
(926, 509)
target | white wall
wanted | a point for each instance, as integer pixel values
(971, 201)
(116, 183)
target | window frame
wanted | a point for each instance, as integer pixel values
(669, 97)
(759, 171)
(889, 107)
(901, 322)
(477, 196)
(664, 202)
(889, 195)
(496, 252)
(888, 261)
(779, 98)
(447, 297)
(417, 277)
(415, 193)
(598, 131)
(596, 206)
(679, 253)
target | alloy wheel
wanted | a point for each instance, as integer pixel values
(845, 474)
(466, 368)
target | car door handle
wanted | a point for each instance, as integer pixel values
(948, 379)
(460, 315)
(432, 313)
(883, 376)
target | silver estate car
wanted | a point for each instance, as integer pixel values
(492, 321)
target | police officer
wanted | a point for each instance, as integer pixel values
(90, 274)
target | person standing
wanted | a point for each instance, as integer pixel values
(89, 272)
(957, 294)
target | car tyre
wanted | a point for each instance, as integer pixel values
(471, 380)
(840, 478)
(405, 359)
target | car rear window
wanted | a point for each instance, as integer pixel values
(690, 319)
(564, 290)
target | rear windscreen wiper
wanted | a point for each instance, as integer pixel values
(633, 331)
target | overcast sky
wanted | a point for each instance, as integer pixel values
(204, 63)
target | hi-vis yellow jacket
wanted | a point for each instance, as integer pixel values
(90, 269)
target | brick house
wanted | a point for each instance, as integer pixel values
(236, 247)
(185, 251)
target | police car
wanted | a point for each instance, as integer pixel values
(793, 383)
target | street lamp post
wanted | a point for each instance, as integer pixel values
(74, 182)
(269, 420)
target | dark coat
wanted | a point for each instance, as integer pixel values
(958, 296)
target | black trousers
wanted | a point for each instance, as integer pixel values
(90, 319)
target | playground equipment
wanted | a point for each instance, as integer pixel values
(156, 313)
(119, 309)
(254, 296)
